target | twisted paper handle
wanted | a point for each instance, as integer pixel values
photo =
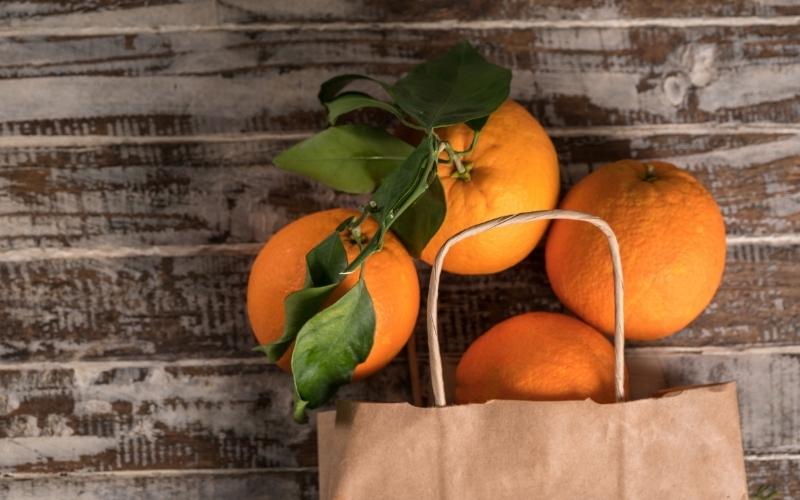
(433, 291)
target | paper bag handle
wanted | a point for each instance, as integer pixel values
(433, 291)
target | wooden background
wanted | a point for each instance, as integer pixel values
(136, 185)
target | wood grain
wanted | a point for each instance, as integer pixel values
(242, 11)
(137, 13)
(162, 308)
(782, 475)
(231, 81)
(190, 193)
(265, 484)
(135, 416)
(116, 367)
(170, 194)
(194, 306)
(299, 483)
(112, 416)
(82, 14)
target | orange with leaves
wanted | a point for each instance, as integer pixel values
(512, 168)
(390, 278)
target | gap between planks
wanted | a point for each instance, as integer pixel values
(157, 473)
(133, 474)
(633, 351)
(443, 25)
(33, 254)
(54, 141)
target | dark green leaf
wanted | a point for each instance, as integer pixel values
(349, 158)
(397, 191)
(329, 89)
(456, 87)
(329, 347)
(422, 219)
(324, 265)
(299, 307)
(351, 101)
(326, 261)
(375, 244)
(478, 123)
(299, 410)
(408, 180)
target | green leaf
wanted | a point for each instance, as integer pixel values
(351, 101)
(299, 410)
(456, 87)
(330, 88)
(349, 158)
(422, 219)
(397, 192)
(324, 265)
(330, 346)
(478, 123)
(326, 261)
(408, 180)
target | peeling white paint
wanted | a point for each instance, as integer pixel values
(22, 426)
(675, 88)
(188, 13)
(8, 403)
(248, 249)
(57, 425)
(702, 65)
(771, 83)
(41, 449)
(444, 25)
(92, 406)
(117, 252)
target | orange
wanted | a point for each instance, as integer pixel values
(672, 241)
(537, 356)
(390, 278)
(513, 168)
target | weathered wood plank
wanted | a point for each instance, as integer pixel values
(79, 14)
(159, 194)
(242, 11)
(784, 475)
(231, 81)
(100, 417)
(194, 307)
(199, 193)
(107, 416)
(136, 13)
(299, 484)
(125, 308)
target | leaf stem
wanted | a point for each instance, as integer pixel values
(404, 201)
(649, 172)
(409, 124)
(356, 236)
(455, 158)
(472, 145)
(355, 222)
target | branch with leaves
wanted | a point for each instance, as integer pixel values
(407, 198)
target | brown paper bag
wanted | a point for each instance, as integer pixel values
(685, 444)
